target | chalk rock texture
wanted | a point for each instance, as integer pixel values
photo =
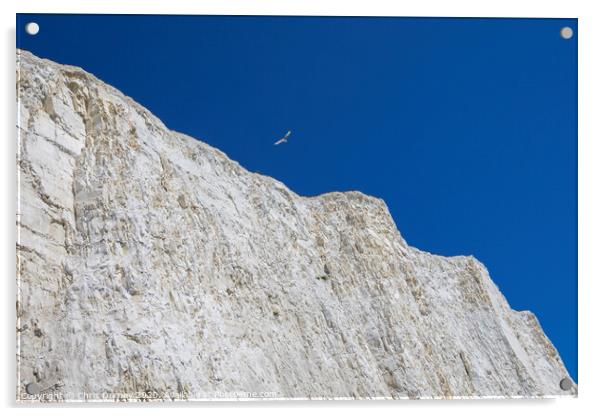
(149, 262)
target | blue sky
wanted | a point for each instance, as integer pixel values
(467, 128)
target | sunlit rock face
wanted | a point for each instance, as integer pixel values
(149, 262)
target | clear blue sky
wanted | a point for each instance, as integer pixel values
(467, 128)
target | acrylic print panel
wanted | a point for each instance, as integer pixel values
(220, 207)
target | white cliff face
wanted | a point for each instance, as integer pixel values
(150, 262)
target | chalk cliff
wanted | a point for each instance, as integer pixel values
(150, 265)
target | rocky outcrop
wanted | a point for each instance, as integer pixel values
(150, 265)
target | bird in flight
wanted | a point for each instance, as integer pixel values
(284, 139)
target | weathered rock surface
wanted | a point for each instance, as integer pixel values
(150, 262)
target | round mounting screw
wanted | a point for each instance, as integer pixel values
(32, 28)
(566, 32)
(566, 384)
(32, 388)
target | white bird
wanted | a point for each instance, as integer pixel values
(284, 139)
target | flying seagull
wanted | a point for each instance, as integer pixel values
(284, 139)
